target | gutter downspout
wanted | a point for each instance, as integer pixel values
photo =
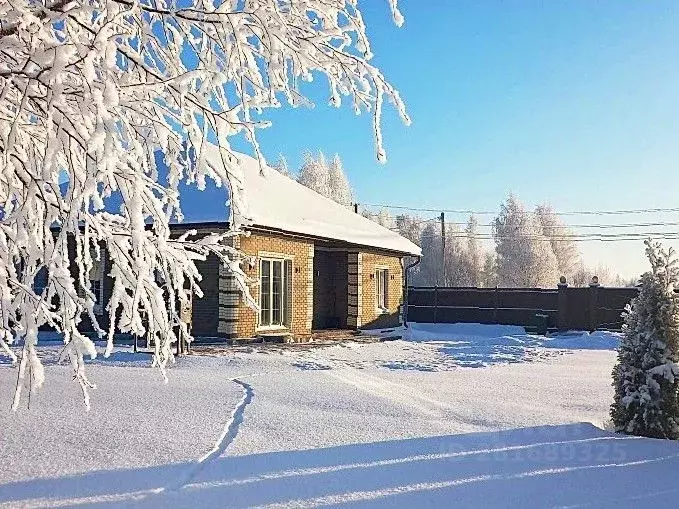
(405, 290)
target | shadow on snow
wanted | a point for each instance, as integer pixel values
(572, 465)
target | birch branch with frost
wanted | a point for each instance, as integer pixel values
(90, 92)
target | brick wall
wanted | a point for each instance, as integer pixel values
(355, 290)
(222, 311)
(236, 319)
(371, 316)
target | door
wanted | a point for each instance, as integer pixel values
(275, 295)
(330, 289)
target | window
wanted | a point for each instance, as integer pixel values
(97, 288)
(96, 279)
(382, 277)
(40, 281)
(275, 283)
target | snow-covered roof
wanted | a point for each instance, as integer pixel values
(274, 200)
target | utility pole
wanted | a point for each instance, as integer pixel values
(443, 249)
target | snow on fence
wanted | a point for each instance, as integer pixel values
(562, 308)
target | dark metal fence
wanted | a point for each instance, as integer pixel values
(562, 308)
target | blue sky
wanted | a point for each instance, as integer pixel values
(573, 103)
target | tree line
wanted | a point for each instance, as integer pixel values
(526, 248)
(325, 177)
(534, 248)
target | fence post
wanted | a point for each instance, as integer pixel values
(593, 303)
(562, 305)
(436, 303)
(496, 304)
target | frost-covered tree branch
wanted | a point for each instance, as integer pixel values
(91, 92)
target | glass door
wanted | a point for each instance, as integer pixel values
(274, 292)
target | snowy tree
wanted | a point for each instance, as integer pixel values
(327, 179)
(472, 258)
(339, 183)
(430, 271)
(409, 227)
(463, 256)
(382, 217)
(454, 256)
(435, 257)
(524, 255)
(315, 174)
(559, 235)
(489, 272)
(281, 165)
(605, 276)
(622, 282)
(646, 376)
(582, 276)
(385, 219)
(90, 92)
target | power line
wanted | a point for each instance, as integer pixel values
(615, 237)
(568, 236)
(565, 213)
(559, 226)
(560, 232)
(603, 226)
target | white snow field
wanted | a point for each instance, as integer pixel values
(456, 416)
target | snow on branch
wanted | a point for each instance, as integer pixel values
(91, 92)
(646, 376)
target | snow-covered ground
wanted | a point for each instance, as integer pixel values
(462, 416)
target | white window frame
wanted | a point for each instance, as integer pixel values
(98, 307)
(382, 283)
(269, 258)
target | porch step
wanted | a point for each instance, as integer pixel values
(335, 335)
(275, 337)
(391, 338)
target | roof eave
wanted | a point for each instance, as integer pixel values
(281, 231)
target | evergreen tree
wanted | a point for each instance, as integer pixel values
(646, 376)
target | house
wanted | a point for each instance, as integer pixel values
(317, 264)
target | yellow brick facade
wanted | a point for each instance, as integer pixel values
(371, 316)
(301, 252)
(238, 320)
